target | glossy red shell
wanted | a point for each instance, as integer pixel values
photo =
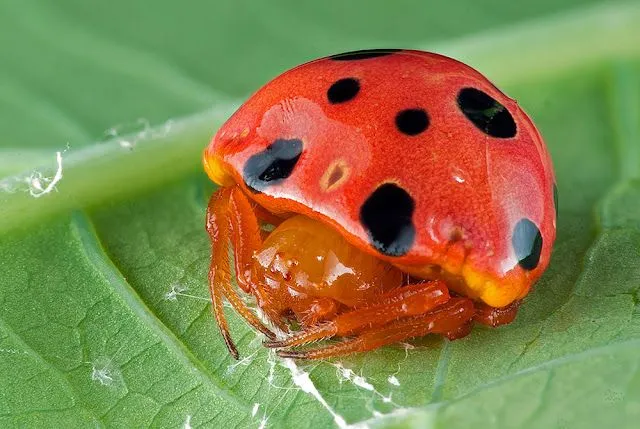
(470, 189)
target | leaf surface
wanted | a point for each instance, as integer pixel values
(104, 311)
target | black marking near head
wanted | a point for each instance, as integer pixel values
(343, 90)
(486, 113)
(272, 165)
(387, 217)
(412, 121)
(363, 54)
(527, 244)
(555, 198)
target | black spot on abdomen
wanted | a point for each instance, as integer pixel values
(343, 90)
(412, 121)
(527, 243)
(387, 216)
(363, 54)
(486, 113)
(272, 165)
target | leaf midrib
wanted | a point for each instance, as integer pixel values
(87, 235)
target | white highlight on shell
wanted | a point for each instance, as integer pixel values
(458, 174)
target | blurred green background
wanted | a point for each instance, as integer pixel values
(104, 319)
(71, 69)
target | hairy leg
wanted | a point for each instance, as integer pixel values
(312, 311)
(247, 240)
(218, 229)
(222, 224)
(492, 316)
(446, 318)
(246, 236)
(399, 303)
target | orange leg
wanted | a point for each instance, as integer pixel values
(266, 216)
(311, 311)
(246, 236)
(399, 303)
(492, 316)
(219, 269)
(461, 331)
(223, 225)
(446, 318)
(246, 240)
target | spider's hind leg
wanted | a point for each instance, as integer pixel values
(445, 318)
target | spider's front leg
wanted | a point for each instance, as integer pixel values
(231, 220)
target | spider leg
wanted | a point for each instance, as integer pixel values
(218, 231)
(266, 216)
(460, 332)
(246, 236)
(246, 240)
(445, 318)
(223, 225)
(410, 300)
(312, 311)
(492, 316)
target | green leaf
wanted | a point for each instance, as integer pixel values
(104, 311)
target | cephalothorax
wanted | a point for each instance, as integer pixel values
(408, 195)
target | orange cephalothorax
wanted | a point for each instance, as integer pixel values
(399, 163)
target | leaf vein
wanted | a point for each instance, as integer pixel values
(99, 259)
